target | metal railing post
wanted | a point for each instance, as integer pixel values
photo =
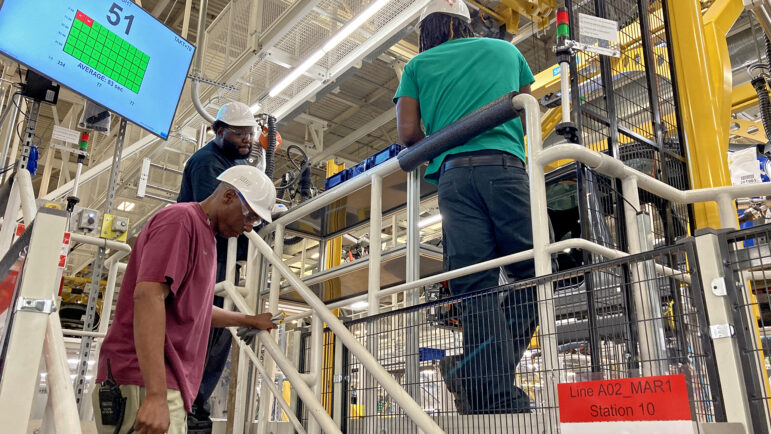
(61, 395)
(719, 314)
(650, 334)
(373, 287)
(31, 321)
(315, 409)
(253, 284)
(368, 362)
(266, 399)
(317, 353)
(412, 297)
(547, 324)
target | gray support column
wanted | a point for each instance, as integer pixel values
(720, 315)
(96, 277)
(412, 297)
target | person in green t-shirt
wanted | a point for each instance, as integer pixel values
(484, 198)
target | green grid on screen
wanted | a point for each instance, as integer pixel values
(107, 53)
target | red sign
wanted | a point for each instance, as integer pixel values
(20, 228)
(84, 18)
(66, 240)
(62, 261)
(628, 399)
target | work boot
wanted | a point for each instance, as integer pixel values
(198, 422)
(454, 382)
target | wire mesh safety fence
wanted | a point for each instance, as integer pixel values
(475, 362)
(747, 260)
(326, 376)
(627, 107)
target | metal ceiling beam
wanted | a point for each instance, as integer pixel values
(307, 119)
(159, 8)
(394, 27)
(287, 60)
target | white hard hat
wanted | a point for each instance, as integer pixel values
(256, 188)
(456, 8)
(236, 114)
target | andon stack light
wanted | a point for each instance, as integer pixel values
(83, 141)
(563, 24)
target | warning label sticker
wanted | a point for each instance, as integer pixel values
(628, 399)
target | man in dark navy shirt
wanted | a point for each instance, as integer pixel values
(235, 130)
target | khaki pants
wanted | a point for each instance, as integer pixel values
(134, 396)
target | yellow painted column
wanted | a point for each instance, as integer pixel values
(704, 81)
(333, 290)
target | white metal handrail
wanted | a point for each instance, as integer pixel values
(632, 180)
(411, 408)
(315, 408)
(574, 243)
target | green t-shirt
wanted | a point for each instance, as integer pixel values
(457, 77)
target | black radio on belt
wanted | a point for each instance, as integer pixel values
(112, 404)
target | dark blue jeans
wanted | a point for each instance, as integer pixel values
(485, 215)
(216, 356)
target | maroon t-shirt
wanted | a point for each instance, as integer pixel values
(177, 247)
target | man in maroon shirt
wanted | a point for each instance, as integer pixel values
(156, 346)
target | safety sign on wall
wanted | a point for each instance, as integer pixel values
(631, 405)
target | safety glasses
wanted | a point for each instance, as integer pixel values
(242, 133)
(250, 217)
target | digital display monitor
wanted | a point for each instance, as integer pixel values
(112, 52)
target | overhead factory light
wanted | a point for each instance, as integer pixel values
(255, 108)
(428, 221)
(354, 24)
(315, 255)
(336, 39)
(126, 206)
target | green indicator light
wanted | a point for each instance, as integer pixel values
(563, 30)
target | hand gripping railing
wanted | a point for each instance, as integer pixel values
(411, 408)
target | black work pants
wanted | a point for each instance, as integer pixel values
(485, 215)
(217, 352)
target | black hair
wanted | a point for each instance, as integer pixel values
(439, 28)
(217, 125)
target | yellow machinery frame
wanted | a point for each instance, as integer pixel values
(706, 95)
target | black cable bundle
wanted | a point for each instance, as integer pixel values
(270, 163)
